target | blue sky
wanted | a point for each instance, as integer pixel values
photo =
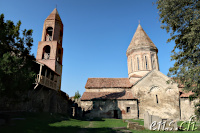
(96, 34)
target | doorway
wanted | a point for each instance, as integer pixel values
(115, 114)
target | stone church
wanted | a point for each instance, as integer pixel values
(145, 89)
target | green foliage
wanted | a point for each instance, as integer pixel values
(181, 19)
(77, 95)
(15, 59)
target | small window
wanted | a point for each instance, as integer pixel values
(157, 99)
(138, 63)
(153, 61)
(128, 109)
(49, 34)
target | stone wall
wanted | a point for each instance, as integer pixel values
(87, 105)
(111, 108)
(39, 100)
(157, 97)
(124, 105)
(187, 108)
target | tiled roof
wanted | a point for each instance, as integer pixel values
(107, 95)
(181, 87)
(54, 15)
(140, 40)
(108, 83)
(185, 94)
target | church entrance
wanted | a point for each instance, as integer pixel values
(115, 114)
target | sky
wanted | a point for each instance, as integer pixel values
(96, 34)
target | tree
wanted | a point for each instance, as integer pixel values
(16, 74)
(77, 95)
(181, 18)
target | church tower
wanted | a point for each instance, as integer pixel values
(50, 51)
(141, 55)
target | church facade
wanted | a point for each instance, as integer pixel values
(145, 89)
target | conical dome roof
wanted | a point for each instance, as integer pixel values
(54, 15)
(140, 40)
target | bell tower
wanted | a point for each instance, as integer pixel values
(141, 55)
(50, 51)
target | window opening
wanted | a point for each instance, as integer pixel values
(46, 52)
(156, 99)
(153, 61)
(146, 63)
(131, 65)
(49, 33)
(128, 109)
(138, 63)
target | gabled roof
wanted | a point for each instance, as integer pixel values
(108, 83)
(140, 40)
(107, 95)
(152, 71)
(54, 15)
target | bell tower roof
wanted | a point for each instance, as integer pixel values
(54, 15)
(140, 40)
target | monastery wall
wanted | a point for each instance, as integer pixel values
(111, 108)
(187, 108)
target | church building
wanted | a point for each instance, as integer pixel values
(145, 89)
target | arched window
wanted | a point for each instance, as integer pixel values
(46, 52)
(153, 61)
(59, 55)
(138, 63)
(157, 99)
(146, 65)
(131, 65)
(49, 33)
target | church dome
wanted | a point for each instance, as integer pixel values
(140, 40)
(141, 55)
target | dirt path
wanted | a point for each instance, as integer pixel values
(90, 125)
(84, 130)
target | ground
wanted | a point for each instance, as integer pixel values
(55, 123)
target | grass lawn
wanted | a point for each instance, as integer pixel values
(47, 123)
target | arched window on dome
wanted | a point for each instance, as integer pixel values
(153, 62)
(131, 65)
(146, 64)
(138, 63)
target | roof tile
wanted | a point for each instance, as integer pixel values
(107, 95)
(108, 83)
